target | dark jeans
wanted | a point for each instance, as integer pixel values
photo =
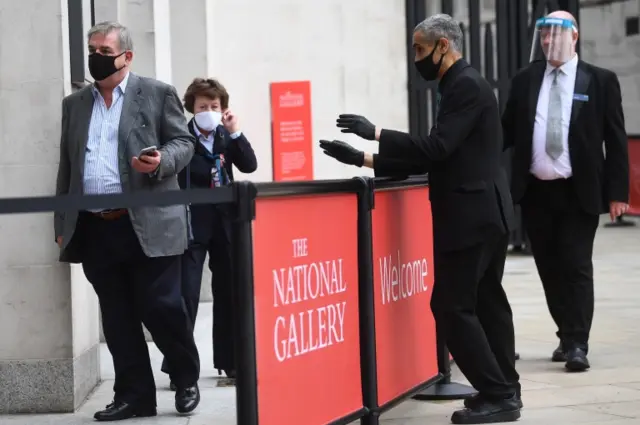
(134, 289)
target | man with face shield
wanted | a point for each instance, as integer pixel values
(559, 113)
(472, 215)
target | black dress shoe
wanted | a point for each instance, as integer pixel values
(187, 399)
(476, 400)
(559, 354)
(577, 360)
(119, 410)
(488, 412)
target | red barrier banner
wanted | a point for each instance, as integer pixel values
(406, 351)
(305, 252)
(291, 131)
(634, 173)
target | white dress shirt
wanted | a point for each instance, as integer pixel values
(542, 165)
(101, 166)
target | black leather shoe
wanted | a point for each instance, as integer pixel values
(119, 410)
(476, 400)
(187, 399)
(577, 360)
(488, 412)
(559, 354)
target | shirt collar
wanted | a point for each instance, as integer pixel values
(567, 68)
(199, 134)
(122, 86)
(453, 70)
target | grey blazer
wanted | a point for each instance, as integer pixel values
(151, 115)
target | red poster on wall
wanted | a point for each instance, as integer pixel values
(306, 309)
(403, 282)
(634, 174)
(291, 139)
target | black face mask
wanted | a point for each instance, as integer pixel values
(102, 66)
(426, 68)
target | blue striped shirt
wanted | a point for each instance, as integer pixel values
(101, 168)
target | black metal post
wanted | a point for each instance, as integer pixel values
(366, 304)
(445, 389)
(245, 331)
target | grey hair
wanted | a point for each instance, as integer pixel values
(442, 26)
(104, 28)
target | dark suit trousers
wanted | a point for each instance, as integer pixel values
(562, 236)
(134, 289)
(472, 312)
(221, 266)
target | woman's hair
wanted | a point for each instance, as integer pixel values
(207, 87)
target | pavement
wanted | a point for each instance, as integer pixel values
(608, 394)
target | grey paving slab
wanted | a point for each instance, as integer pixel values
(609, 394)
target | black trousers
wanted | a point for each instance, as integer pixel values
(133, 289)
(562, 236)
(474, 316)
(221, 265)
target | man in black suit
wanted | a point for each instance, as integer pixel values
(559, 112)
(472, 215)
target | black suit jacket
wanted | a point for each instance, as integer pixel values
(469, 190)
(598, 179)
(236, 152)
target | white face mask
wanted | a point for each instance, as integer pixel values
(208, 120)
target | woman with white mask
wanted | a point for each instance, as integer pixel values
(219, 145)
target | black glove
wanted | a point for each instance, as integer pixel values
(358, 125)
(343, 152)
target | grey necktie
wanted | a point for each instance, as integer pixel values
(554, 118)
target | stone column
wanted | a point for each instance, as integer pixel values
(49, 350)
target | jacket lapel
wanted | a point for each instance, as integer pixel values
(84, 120)
(534, 90)
(130, 107)
(583, 79)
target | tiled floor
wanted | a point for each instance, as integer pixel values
(609, 394)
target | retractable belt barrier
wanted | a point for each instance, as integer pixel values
(333, 282)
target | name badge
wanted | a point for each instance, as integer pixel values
(580, 97)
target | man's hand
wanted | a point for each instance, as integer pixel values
(343, 152)
(146, 163)
(59, 241)
(356, 124)
(230, 121)
(616, 209)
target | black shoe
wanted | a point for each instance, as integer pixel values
(187, 399)
(488, 412)
(476, 400)
(230, 373)
(119, 410)
(559, 354)
(577, 360)
(173, 387)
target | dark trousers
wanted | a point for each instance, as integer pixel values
(221, 266)
(562, 236)
(134, 289)
(474, 316)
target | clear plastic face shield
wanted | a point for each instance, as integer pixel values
(553, 40)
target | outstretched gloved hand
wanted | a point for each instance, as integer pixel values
(343, 152)
(358, 125)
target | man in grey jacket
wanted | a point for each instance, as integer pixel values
(130, 256)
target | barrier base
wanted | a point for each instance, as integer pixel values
(445, 391)
(621, 222)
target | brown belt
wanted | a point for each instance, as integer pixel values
(111, 214)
